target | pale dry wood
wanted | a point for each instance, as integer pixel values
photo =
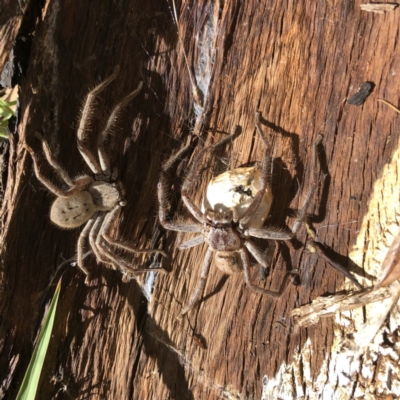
(378, 8)
(390, 270)
(324, 307)
(294, 62)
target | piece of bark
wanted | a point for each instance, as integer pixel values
(363, 92)
(11, 15)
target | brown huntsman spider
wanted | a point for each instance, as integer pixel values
(227, 231)
(91, 200)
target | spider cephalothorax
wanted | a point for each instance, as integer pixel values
(93, 201)
(228, 221)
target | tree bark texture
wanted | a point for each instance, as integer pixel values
(296, 63)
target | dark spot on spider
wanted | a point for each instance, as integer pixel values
(241, 189)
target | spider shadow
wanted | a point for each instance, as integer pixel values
(274, 250)
(157, 344)
(154, 341)
(221, 283)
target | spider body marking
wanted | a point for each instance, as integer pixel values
(94, 200)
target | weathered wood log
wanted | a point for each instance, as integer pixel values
(11, 16)
(297, 63)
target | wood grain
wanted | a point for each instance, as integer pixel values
(296, 63)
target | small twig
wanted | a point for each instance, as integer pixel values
(390, 105)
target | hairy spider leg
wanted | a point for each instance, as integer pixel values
(85, 120)
(99, 237)
(74, 188)
(103, 158)
(103, 167)
(202, 282)
(246, 264)
(53, 162)
(302, 214)
(192, 242)
(162, 193)
(186, 188)
(192, 175)
(81, 243)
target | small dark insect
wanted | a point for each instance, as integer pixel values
(200, 341)
(362, 94)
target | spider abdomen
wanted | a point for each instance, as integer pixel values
(235, 189)
(73, 211)
(228, 262)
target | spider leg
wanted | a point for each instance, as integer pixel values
(264, 176)
(81, 244)
(163, 212)
(132, 249)
(103, 254)
(318, 249)
(192, 242)
(162, 194)
(302, 214)
(53, 162)
(76, 186)
(269, 233)
(258, 127)
(260, 256)
(245, 261)
(93, 240)
(200, 286)
(103, 158)
(117, 261)
(192, 175)
(256, 252)
(84, 122)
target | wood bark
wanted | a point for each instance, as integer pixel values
(11, 16)
(297, 63)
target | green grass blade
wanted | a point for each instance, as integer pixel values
(6, 110)
(3, 131)
(31, 379)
